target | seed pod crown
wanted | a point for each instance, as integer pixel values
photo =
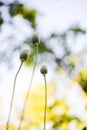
(43, 70)
(35, 39)
(24, 55)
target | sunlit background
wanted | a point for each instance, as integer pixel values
(62, 29)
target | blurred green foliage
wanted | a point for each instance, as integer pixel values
(82, 79)
(30, 14)
(85, 128)
(77, 30)
(1, 21)
(16, 8)
(67, 60)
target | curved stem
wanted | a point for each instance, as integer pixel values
(45, 103)
(7, 124)
(28, 92)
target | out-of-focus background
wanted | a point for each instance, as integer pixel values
(62, 28)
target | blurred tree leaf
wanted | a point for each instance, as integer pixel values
(63, 36)
(82, 79)
(30, 61)
(27, 13)
(1, 21)
(30, 15)
(15, 8)
(85, 128)
(1, 3)
(42, 50)
(77, 30)
(42, 46)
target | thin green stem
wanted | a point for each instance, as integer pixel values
(9, 115)
(45, 102)
(28, 92)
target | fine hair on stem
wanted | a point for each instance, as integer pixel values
(45, 108)
(11, 103)
(44, 71)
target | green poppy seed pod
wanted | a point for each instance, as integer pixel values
(24, 55)
(43, 70)
(35, 39)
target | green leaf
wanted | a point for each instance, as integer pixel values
(1, 3)
(30, 15)
(15, 8)
(1, 21)
(77, 30)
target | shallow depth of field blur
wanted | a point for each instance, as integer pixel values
(62, 29)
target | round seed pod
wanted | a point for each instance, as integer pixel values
(24, 55)
(43, 70)
(35, 39)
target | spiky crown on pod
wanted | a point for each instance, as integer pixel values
(24, 55)
(44, 70)
(35, 39)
